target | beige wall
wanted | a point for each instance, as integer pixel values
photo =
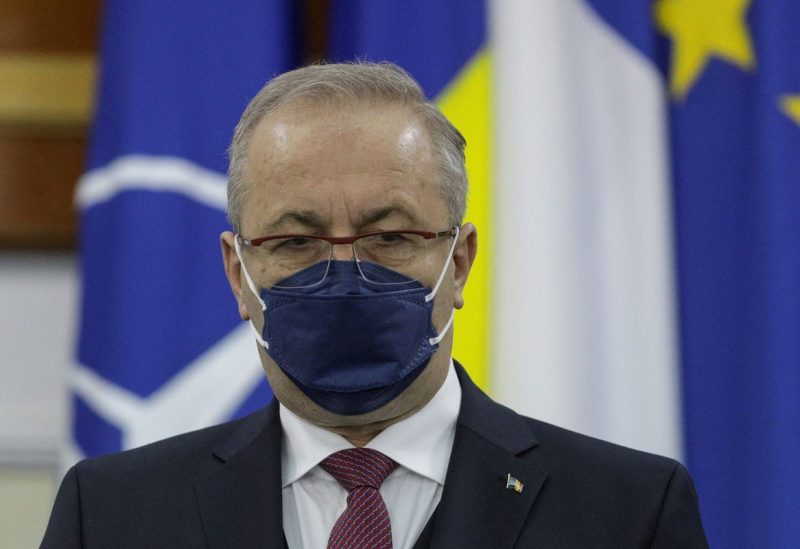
(26, 496)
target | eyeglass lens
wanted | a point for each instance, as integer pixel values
(281, 259)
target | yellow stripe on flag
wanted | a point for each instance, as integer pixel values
(466, 103)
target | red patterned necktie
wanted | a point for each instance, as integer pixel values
(365, 521)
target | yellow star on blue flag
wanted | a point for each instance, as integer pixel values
(790, 105)
(700, 30)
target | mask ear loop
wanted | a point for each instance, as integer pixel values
(252, 287)
(431, 295)
(247, 278)
(436, 340)
(440, 337)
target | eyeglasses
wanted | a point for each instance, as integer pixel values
(281, 256)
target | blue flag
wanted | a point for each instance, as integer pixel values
(162, 349)
(431, 40)
(732, 69)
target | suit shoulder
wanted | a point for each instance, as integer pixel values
(187, 454)
(563, 448)
(638, 495)
(560, 449)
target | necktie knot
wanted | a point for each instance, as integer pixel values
(359, 467)
(365, 523)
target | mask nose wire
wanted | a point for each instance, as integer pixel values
(252, 287)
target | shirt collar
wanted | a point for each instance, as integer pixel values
(421, 442)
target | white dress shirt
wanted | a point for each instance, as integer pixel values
(420, 444)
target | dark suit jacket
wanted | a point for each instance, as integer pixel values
(221, 487)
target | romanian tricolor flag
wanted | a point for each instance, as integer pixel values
(443, 45)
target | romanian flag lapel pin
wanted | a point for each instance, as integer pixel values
(513, 484)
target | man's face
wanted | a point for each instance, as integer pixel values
(342, 171)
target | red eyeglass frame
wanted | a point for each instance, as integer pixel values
(339, 240)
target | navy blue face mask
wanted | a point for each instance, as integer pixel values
(349, 344)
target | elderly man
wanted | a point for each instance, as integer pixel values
(346, 193)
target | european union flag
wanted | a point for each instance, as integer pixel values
(161, 347)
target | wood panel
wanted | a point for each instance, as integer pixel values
(57, 26)
(46, 89)
(46, 83)
(315, 24)
(37, 178)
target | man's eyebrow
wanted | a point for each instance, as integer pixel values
(379, 214)
(307, 218)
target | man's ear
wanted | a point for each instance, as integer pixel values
(463, 258)
(233, 270)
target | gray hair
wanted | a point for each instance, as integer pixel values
(353, 83)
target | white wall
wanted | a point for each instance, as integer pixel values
(38, 314)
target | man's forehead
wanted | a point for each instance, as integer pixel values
(309, 169)
(287, 121)
(294, 138)
(386, 213)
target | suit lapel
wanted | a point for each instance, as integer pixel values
(240, 501)
(492, 442)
